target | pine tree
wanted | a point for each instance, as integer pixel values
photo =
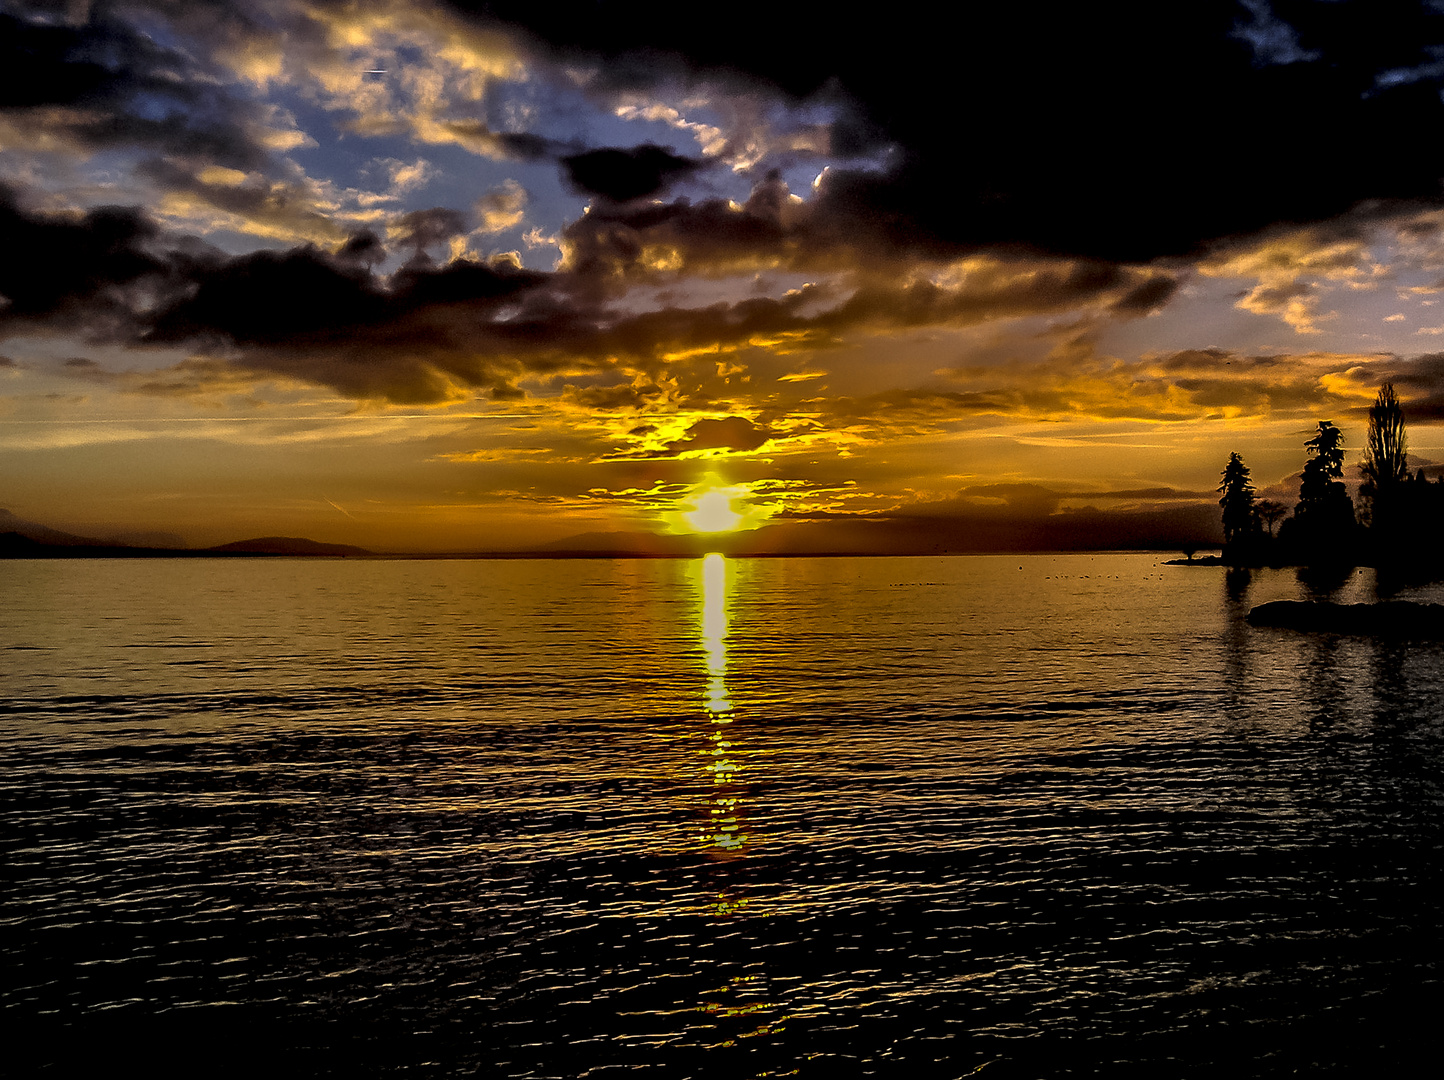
(1239, 520)
(1325, 465)
(1324, 517)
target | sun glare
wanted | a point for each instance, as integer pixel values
(714, 513)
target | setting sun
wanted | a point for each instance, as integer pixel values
(714, 513)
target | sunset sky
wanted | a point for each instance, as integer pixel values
(448, 276)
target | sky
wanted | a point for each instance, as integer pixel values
(445, 276)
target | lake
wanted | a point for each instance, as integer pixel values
(1016, 816)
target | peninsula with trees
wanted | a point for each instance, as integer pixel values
(1397, 515)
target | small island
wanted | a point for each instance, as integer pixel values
(1388, 530)
(20, 539)
(1397, 515)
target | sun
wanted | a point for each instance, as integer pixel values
(714, 513)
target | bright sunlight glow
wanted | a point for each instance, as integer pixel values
(714, 513)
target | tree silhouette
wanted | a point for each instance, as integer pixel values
(1386, 465)
(1269, 513)
(1325, 464)
(1239, 520)
(1324, 518)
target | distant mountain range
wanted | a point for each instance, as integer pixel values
(286, 545)
(964, 530)
(10, 525)
(21, 539)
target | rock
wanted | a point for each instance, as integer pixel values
(1390, 618)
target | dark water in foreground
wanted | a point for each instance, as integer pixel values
(908, 818)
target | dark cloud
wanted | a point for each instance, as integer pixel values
(1028, 520)
(44, 65)
(110, 274)
(429, 331)
(89, 272)
(622, 396)
(1153, 494)
(522, 146)
(1101, 130)
(728, 433)
(617, 243)
(421, 229)
(615, 246)
(625, 174)
(1015, 499)
(512, 146)
(1419, 381)
(998, 292)
(362, 249)
(323, 319)
(98, 60)
(275, 297)
(483, 286)
(1338, 385)
(1148, 295)
(79, 367)
(68, 259)
(103, 83)
(958, 526)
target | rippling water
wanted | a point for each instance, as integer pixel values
(1036, 816)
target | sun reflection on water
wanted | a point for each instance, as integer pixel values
(714, 632)
(724, 829)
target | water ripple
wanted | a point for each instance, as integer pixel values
(556, 820)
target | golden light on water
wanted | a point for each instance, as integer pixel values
(714, 632)
(724, 829)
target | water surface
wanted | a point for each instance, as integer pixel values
(1046, 815)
